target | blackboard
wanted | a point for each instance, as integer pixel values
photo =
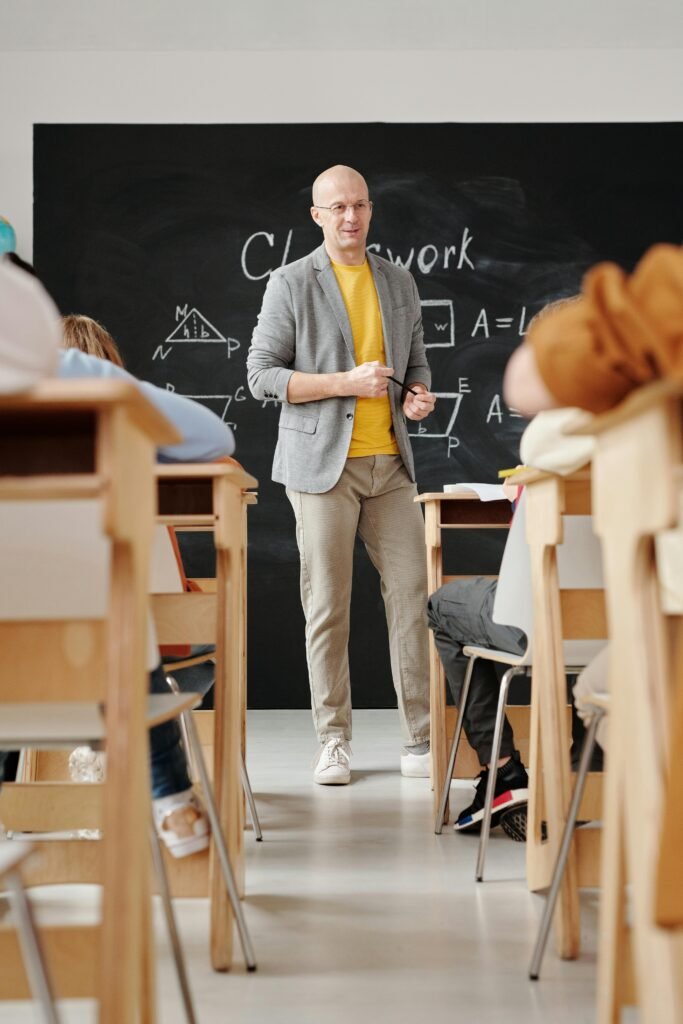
(167, 233)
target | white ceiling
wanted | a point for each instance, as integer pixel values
(310, 25)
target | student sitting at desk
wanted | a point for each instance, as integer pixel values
(30, 349)
(622, 332)
(461, 613)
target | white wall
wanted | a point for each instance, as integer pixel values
(611, 60)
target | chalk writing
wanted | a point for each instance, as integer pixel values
(159, 352)
(438, 322)
(497, 410)
(427, 428)
(226, 400)
(502, 323)
(430, 257)
(261, 255)
(194, 329)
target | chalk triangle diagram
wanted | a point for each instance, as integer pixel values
(196, 328)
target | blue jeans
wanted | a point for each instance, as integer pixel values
(167, 762)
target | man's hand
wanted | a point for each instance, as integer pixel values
(417, 407)
(369, 380)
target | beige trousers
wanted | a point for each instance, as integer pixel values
(373, 499)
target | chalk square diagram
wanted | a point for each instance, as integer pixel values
(423, 427)
(438, 322)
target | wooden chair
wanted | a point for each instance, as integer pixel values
(636, 495)
(166, 577)
(456, 511)
(512, 607)
(516, 605)
(75, 442)
(669, 893)
(60, 725)
(212, 496)
(597, 706)
(12, 856)
(565, 609)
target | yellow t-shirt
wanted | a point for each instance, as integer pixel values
(373, 432)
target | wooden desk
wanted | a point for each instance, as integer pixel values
(449, 512)
(560, 615)
(637, 469)
(94, 439)
(213, 496)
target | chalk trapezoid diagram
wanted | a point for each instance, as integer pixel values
(456, 398)
(204, 398)
(196, 328)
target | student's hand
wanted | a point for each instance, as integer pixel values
(510, 489)
(369, 380)
(417, 407)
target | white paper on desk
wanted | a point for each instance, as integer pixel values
(485, 492)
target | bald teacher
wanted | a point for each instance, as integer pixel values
(334, 328)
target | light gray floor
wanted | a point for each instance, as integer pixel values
(358, 912)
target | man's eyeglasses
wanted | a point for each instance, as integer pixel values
(338, 209)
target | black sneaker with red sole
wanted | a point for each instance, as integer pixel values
(510, 799)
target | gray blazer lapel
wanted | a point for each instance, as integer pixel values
(384, 306)
(328, 283)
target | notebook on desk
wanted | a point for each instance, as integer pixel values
(485, 492)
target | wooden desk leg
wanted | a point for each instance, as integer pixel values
(242, 577)
(646, 707)
(544, 530)
(149, 981)
(126, 800)
(227, 718)
(612, 924)
(437, 679)
(539, 866)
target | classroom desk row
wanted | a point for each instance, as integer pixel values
(634, 491)
(95, 442)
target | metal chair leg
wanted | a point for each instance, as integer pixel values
(455, 743)
(22, 770)
(219, 840)
(191, 764)
(565, 845)
(194, 771)
(30, 944)
(251, 803)
(165, 893)
(495, 756)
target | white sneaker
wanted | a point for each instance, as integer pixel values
(416, 766)
(181, 823)
(333, 767)
(87, 765)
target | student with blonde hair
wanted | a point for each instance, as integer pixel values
(89, 336)
(29, 352)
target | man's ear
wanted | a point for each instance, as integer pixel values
(315, 214)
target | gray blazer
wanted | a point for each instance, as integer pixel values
(303, 325)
